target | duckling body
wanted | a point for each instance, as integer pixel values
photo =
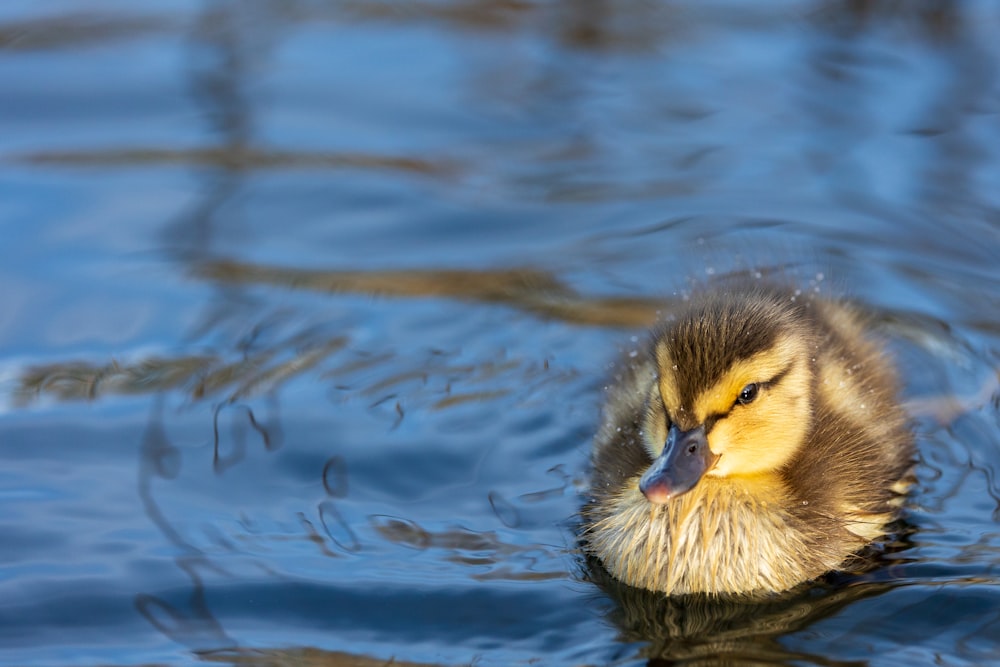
(755, 444)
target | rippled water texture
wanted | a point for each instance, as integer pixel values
(308, 308)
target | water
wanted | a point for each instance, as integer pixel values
(308, 306)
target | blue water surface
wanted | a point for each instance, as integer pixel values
(308, 309)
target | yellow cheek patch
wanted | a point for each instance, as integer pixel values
(756, 441)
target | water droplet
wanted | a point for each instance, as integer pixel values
(674, 367)
(633, 354)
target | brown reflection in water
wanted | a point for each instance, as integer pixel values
(505, 561)
(536, 291)
(301, 657)
(505, 15)
(592, 25)
(74, 31)
(258, 373)
(239, 159)
(79, 380)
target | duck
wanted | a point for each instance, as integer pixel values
(756, 442)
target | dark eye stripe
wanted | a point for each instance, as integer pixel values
(712, 419)
(777, 378)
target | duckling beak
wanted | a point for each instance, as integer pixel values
(685, 458)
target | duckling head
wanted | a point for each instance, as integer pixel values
(733, 395)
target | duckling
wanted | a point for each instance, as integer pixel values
(755, 444)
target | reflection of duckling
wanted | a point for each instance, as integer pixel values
(755, 444)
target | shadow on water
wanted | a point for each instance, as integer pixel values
(699, 630)
(736, 630)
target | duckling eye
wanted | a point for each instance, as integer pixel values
(748, 393)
